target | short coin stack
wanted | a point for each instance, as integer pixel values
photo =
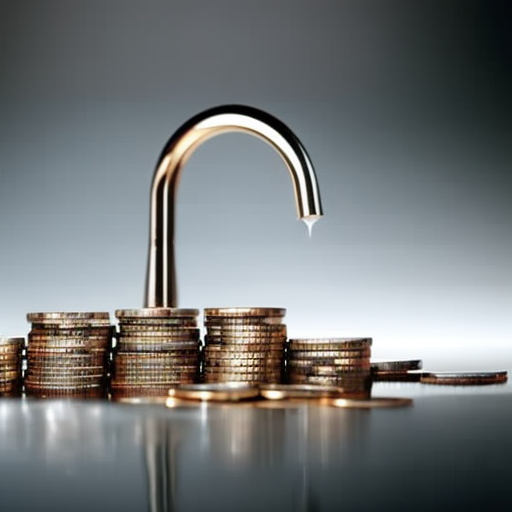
(342, 362)
(244, 345)
(11, 366)
(68, 354)
(157, 348)
(405, 370)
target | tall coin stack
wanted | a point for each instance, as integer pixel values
(342, 362)
(157, 348)
(68, 354)
(11, 350)
(244, 345)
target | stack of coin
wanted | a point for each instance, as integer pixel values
(342, 362)
(157, 348)
(11, 366)
(244, 345)
(68, 354)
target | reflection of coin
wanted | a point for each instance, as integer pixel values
(156, 313)
(396, 366)
(370, 403)
(287, 391)
(244, 312)
(464, 378)
(224, 392)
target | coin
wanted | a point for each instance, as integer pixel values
(464, 378)
(340, 363)
(380, 376)
(244, 312)
(67, 315)
(370, 403)
(396, 366)
(329, 354)
(156, 313)
(323, 344)
(163, 322)
(246, 348)
(153, 332)
(291, 391)
(224, 392)
(242, 322)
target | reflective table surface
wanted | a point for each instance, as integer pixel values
(450, 450)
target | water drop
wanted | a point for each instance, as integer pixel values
(309, 221)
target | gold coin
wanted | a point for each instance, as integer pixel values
(225, 392)
(292, 391)
(244, 312)
(156, 349)
(104, 331)
(156, 313)
(464, 378)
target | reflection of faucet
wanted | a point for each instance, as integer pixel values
(161, 278)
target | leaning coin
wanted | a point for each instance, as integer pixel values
(464, 378)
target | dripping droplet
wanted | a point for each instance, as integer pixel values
(309, 221)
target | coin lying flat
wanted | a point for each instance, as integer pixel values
(397, 366)
(370, 403)
(464, 378)
(67, 315)
(224, 392)
(291, 391)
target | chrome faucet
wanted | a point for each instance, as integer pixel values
(161, 274)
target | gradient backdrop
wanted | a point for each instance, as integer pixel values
(404, 107)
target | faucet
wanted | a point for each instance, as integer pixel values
(161, 289)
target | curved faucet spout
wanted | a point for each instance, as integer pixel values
(161, 277)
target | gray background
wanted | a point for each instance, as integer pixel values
(404, 108)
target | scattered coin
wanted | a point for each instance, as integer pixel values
(464, 378)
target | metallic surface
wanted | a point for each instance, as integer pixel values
(161, 274)
(448, 451)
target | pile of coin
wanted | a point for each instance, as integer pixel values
(342, 362)
(157, 348)
(68, 354)
(11, 350)
(244, 345)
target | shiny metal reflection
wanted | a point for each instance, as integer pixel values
(161, 288)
